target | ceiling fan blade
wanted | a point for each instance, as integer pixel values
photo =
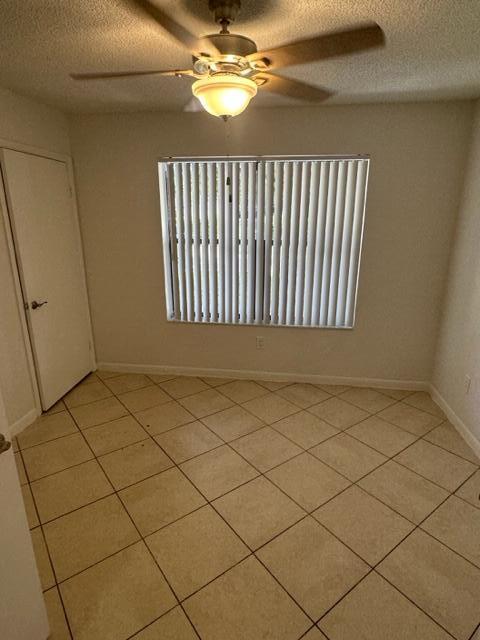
(176, 30)
(129, 74)
(328, 45)
(292, 88)
(193, 106)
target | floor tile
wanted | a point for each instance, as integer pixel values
(216, 382)
(457, 524)
(144, 398)
(58, 406)
(364, 524)
(368, 399)
(134, 463)
(157, 501)
(183, 386)
(438, 580)
(160, 377)
(404, 491)
(44, 566)
(333, 389)
(304, 429)
(164, 417)
(265, 448)
(47, 428)
(105, 375)
(89, 378)
(22, 474)
(396, 394)
(423, 401)
(257, 511)
(174, 625)
(114, 435)
(447, 437)
(206, 402)
(338, 413)
(83, 537)
(270, 408)
(188, 441)
(314, 634)
(273, 385)
(117, 597)
(313, 566)
(127, 382)
(232, 423)
(348, 456)
(303, 395)
(218, 471)
(32, 517)
(470, 491)
(413, 420)
(70, 489)
(89, 415)
(56, 616)
(195, 550)
(242, 390)
(202, 552)
(374, 610)
(308, 481)
(56, 455)
(246, 602)
(436, 464)
(382, 436)
(84, 395)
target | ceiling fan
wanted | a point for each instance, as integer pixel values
(228, 69)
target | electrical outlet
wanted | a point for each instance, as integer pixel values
(260, 342)
(468, 384)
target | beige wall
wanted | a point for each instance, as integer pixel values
(417, 152)
(458, 352)
(27, 122)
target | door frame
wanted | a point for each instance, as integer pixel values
(14, 262)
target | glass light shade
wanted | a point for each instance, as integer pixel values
(224, 94)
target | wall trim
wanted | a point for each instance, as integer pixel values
(23, 422)
(472, 441)
(264, 375)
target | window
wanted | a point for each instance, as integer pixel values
(271, 241)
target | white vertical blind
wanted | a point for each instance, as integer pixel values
(264, 240)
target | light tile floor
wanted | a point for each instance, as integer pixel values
(174, 508)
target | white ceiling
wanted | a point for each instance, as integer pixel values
(432, 52)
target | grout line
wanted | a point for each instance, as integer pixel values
(414, 603)
(439, 446)
(477, 628)
(261, 474)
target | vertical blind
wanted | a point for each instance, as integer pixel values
(263, 241)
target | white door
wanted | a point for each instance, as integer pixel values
(48, 250)
(22, 609)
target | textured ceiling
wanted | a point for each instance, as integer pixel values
(432, 52)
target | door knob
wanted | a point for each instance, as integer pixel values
(37, 305)
(4, 444)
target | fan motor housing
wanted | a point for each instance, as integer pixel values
(232, 44)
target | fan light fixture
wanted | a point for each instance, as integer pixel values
(224, 94)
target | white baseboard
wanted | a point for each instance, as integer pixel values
(414, 385)
(472, 441)
(23, 422)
